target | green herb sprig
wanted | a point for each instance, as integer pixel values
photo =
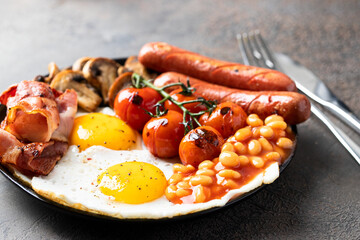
(139, 82)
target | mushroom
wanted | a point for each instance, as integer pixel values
(69, 79)
(53, 70)
(101, 73)
(118, 84)
(122, 70)
(80, 63)
(133, 64)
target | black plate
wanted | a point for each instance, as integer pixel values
(57, 206)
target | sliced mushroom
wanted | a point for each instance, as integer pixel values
(53, 70)
(101, 73)
(133, 64)
(39, 78)
(122, 70)
(119, 83)
(69, 79)
(80, 63)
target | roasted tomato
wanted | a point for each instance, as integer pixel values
(227, 118)
(202, 143)
(130, 103)
(192, 107)
(162, 135)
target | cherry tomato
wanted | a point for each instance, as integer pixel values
(162, 135)
(227, 118)
(192, 107)
(202, 143)
(130, 103)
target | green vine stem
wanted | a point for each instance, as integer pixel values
(139, 82)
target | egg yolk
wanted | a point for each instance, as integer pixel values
(104, 130)
(133, 182)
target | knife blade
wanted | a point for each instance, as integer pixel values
(314, 88)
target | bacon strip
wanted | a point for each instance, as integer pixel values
(34, 134)
(32, 113)
(31, 158)
(10, 147)
(67, 106)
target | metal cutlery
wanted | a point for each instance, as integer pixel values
(255, 52)
(316, 90)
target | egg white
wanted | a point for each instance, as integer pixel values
(73, 183)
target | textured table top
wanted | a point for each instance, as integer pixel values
(318, 195)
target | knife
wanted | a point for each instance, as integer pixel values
(293, 69)
(315, 89)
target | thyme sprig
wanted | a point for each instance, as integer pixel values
(139, 82)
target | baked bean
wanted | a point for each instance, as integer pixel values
(183, 184)
(277, 124)
(190, 168)
(230, 184)
(201, 180)
(258, 162)
(228, 173)
(281, 133)
(207, 172)
(266, 132)
(240, 148)
(200, 194)
(243, 134)
(228, 147)
(175, 178)
(254, 147)
(288, 129)
(273, 118)
(244, 160)
(182, 168)
(256, 132)
(207, 164)
(265, 144)
(231, 139)
(183, 192)
(254, 120)
(280, 151)
(170, 192)
(216, 189)
(229, 159)
(187, 178)
(273, 156)
(284, 143)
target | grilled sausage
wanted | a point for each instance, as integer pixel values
(163, 57)
(292, 106)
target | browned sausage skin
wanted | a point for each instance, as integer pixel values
(163, 57)
(292, 106)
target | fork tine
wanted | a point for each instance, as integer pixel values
(270, 62)
(245, 49)
(256, 51)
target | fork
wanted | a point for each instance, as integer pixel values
(254, 51)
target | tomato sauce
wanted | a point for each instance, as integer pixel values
(279, 151)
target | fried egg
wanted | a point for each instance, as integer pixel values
(100, 129)
(74, 182)
(120, 178)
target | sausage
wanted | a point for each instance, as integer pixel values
(163, 57)
(292, 106)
